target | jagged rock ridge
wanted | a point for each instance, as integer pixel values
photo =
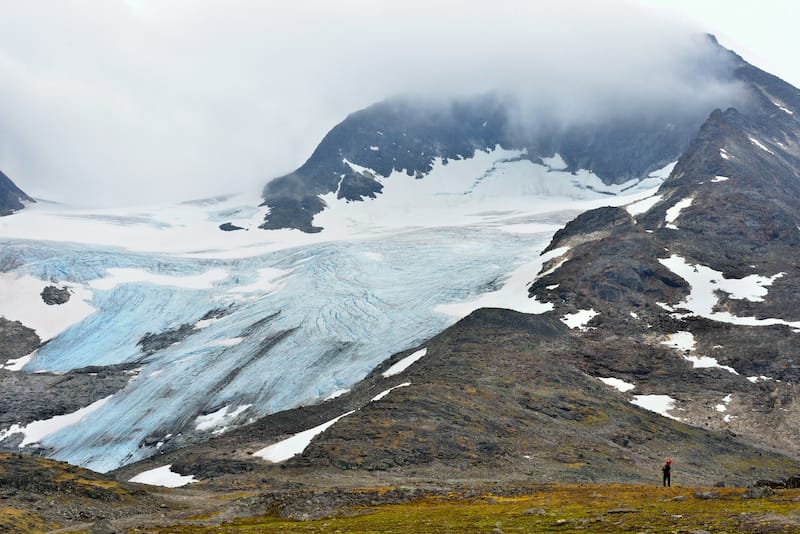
(11, 196)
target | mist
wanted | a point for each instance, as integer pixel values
(149, 101)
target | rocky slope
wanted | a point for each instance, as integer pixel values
(711, 259)
(11, 196)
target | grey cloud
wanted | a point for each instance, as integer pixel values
(110, 103)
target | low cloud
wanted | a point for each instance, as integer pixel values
(111, 103)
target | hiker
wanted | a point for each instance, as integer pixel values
(667, 470)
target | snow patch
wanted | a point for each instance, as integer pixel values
(644, 205)
(680, 340)
(289, 447)
(621, 385)
(513, 295)
(660, 404)
(704, 282)
(675, 211)
(760, 145)
(336, 393)
(718, 179)
(724, 154)
(36, 431)
(684, 341)
(163, 476)
(405, 363)
(757, 379)
(18, 363)
(382, 394)
(22, 301)
(579, 319)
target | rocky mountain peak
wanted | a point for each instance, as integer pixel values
(11, 196)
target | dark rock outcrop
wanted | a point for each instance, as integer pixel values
(11, 196)
(52, 295)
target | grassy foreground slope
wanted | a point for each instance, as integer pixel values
(550, 508)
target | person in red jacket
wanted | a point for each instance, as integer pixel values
(667, 471)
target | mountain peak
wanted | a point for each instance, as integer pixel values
(11, 196)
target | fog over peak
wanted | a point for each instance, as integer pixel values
(111, 103)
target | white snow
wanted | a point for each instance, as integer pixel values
(405, 363)
(786, 110)
(704, 362)
(36, 431)
(760, 145)
(21, 301)
(757, 379)
(721, 408)
(680, 340)
(664, 172)
(675, 211)
(718, 179)
(644, 205)
(513, 295)
(620, 384)
(18, 363)
(117, 276)
(634, 315)
(453, 194)
(556, 163)
(727, 398)
(382, 394)
(337, 393)
(705, 281)
(163, 476)
(724, 154)
(660, 404)
(220, 419)
(267, 281)
(684, 341)
(374, 148)
(289, 447)
(579, 319)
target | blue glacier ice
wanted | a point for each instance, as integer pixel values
(329, 312)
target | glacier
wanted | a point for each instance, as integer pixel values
(272, 320)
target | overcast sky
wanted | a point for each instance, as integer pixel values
(112, 102)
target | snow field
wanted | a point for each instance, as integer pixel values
(21, 301)
(36, 431)
(579, 319)
(289, 447)
(405, 363)
(617, 383)
(684, 341)
(704, 282)
(163, 476)
(660, 404)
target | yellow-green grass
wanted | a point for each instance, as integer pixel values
(557, 508)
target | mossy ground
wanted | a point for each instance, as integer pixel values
(552, 508)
